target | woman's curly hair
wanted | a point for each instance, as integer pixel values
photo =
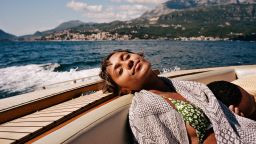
(109, 84)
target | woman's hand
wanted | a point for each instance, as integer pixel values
(235, 110)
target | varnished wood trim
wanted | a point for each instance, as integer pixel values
(26, 109)
(64, 119)
(67, 122)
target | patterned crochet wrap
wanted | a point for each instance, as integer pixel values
(153, 120)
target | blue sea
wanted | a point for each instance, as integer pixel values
(27, 66)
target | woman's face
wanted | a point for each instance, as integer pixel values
(130, 71)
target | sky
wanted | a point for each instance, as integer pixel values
(21, 17)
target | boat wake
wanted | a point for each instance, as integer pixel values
(175, 68)
(22, 79)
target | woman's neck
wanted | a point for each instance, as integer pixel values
(156, 83)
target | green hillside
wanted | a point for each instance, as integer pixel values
(222, 21)
(233, 21)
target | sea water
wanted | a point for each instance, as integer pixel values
(28, 66)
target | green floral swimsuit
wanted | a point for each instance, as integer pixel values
(194, 116)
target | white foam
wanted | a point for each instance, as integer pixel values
(32, 77)
(175, 68)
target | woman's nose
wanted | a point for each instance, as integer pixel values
(130, 64)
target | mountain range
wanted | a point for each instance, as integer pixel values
(175, 18)
(61, 27)
(6, 36)
(175, 5)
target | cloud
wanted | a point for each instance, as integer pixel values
(140, 1)
(106, 17)
(136, 7)
(80, 6)
(108, 13)
(133, 10)
(123, 12)
(116, 1)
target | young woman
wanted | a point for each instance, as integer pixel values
(171, 111)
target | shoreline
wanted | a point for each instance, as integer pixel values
(230, 40)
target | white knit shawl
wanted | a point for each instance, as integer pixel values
(153, 120)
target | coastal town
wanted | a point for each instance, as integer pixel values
(66, 35)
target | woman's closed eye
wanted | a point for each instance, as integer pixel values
(126, 57)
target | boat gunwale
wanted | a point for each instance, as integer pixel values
(23, 109)
(65, 118)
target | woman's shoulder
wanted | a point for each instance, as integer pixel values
(147, 103)
(188, 83)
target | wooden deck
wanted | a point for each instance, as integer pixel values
(21, 105)
(27, 127)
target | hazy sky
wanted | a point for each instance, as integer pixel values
(22, 17)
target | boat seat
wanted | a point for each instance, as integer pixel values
(248, 83)
(107, 124)
(207, 77)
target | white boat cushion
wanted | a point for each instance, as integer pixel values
(248, 83)
(244, 72)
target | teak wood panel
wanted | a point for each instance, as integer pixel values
(57, 98)
(47, 113)
(6, 141)
(31, 125)
(26, 124)
(35, 115)
(60, 110)
(12, 135)
(19, 129)
(38, 119)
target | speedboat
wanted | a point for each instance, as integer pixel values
(81, 113)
